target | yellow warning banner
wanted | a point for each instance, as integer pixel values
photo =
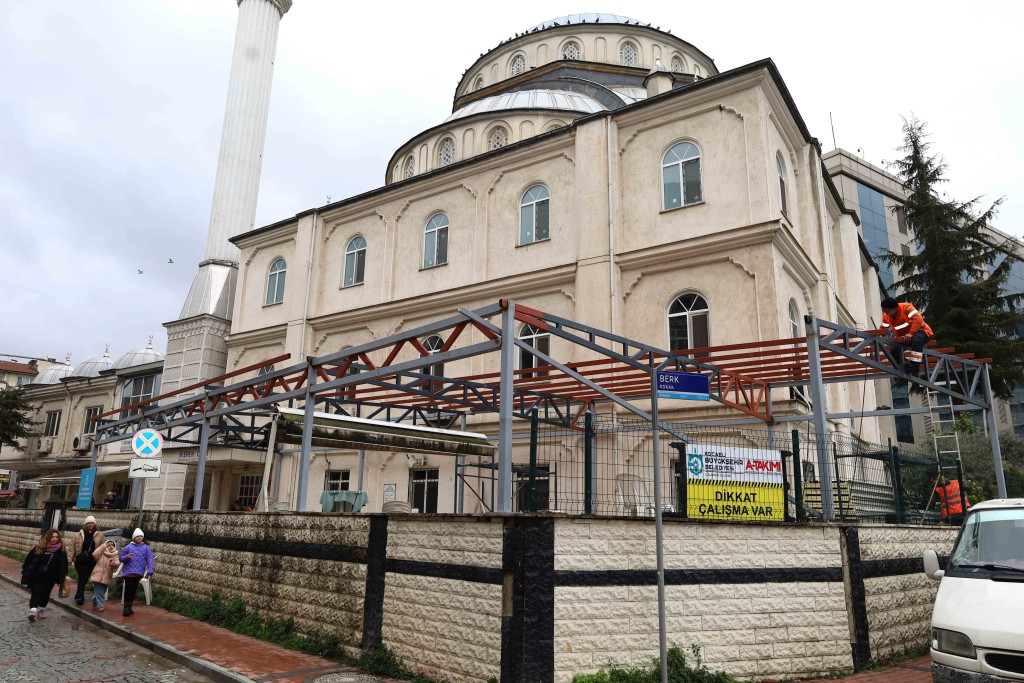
(752, 501)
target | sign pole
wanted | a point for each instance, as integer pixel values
(142, 502)
(659, 542)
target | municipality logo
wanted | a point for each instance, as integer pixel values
(695, 464)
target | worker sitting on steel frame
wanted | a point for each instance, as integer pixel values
(909, 331)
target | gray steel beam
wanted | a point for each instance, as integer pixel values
(307, 443)
(993, 435)
(818, 398)
(204, 443)
(508, 359)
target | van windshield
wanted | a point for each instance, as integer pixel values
(991, 540)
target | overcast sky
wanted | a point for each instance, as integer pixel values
(111, 113)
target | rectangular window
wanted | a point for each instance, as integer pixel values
(423, 489)
(543, 486)
(52, 426)
(355, 267)
(137, 389)
(543, 231)
(673, 190)
(901, 219)
(249, 490)
(691, 181)
(336, 480)
(541, 342)
(90, 419)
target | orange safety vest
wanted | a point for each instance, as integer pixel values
(907, 321)
(950, 499)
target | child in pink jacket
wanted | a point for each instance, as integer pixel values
(107, 562)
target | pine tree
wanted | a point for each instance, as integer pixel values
(958, 274)
(15, 417)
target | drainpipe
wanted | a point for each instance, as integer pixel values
(612, 287)
(309, 283)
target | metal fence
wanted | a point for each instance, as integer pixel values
(607, 468)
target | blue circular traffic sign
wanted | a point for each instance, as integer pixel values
(147, 443)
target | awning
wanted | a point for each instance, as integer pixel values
(70, 477)
(341, 431)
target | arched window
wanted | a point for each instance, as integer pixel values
(409, 170)
(497, 139)
(688, 326)
(355, 261)
(533, 215)
(479, 83)
(446, 152)
(680, 176)
(538, 339)
(517, 66)
(275, 282)
(433, 344)
(571, 50)
(794, 319)
(435, 241)
(629, 55)
(780, 168)
(677, 64)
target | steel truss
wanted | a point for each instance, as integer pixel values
(620, 371)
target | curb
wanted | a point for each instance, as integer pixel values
(212, 671)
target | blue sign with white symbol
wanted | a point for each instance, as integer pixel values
(147, 443)
(688, 385)
(85, 486)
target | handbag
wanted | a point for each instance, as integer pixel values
(65, 587)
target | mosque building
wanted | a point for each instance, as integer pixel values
(593, 166)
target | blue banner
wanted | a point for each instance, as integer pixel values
(85, 487)
(686, 385)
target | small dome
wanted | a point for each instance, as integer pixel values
(55, 374)
(94, 366)
(586, 18)
(139, 357)
(558, 100)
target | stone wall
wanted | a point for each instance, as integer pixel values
(898, 596)
(448, 625)
(760, 600)
(541, 598)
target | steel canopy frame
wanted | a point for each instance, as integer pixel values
(350, 382)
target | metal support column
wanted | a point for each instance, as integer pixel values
(531, 505)
(92, 460)
(659, 538)
(993, 434)
(820, 429)
(588, 463)
(204, 448)
(508, 357)
(307, 442)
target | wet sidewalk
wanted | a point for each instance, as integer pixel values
(910, 671)
(212, 651)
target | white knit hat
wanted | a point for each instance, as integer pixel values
(136, 533)
(89, 519)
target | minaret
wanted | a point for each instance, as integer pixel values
(196, 349)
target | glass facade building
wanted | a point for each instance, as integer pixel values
(874, 229)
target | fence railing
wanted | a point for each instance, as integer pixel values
(607, 468)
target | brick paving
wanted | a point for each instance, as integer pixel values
(61, 648)
(910, 671)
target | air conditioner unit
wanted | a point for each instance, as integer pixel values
(82, 442)
(44, 445)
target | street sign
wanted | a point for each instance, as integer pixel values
(144, 468)
(147, 443)
(85, 487)
(687, 385)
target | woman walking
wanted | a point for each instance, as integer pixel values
(85, 543)
(138, 562)
(106, 562)
(45, 567)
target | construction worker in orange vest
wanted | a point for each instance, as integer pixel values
(952, 503)
(908, 329)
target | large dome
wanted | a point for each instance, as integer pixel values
(585, 18)
(94, 366)
(559, 100)
(139, 357)
(55, 374)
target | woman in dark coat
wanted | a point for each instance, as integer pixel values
(45, 567)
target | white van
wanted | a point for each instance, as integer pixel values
(978, 619)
